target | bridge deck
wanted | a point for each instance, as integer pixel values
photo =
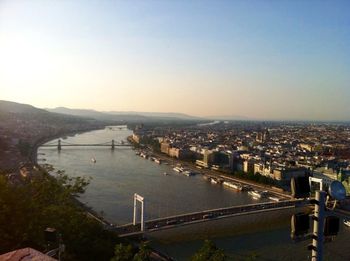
(202, 216)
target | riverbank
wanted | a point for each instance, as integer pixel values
(217, 174)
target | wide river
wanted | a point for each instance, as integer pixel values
(117, 175)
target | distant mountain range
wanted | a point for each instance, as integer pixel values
(14, 107)
(228, 118)
(24, 112)
(125, 115)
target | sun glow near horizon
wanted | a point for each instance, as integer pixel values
(266, 61)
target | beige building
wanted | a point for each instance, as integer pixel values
(164, 147)
(136, 138)
(285, 175)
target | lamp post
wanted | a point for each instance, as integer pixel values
(301, 189)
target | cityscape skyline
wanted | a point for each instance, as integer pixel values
(260, 60)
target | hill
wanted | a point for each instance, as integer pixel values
(128, 116)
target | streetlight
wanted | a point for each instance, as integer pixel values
(325, 224)
(53, 237)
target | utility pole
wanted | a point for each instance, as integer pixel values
(319, 217)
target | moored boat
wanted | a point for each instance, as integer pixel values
(178, 169)
(188, 173)
(274, 198)
(213, 181)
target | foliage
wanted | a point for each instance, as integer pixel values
(128, 253)
(143, 254)
(24, 148)
(123, 253)
(209, 252)
(153, 143)
(252, 256)
(26, 210)
(255, 177)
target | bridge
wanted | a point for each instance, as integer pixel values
(112, 144)
(202, 216)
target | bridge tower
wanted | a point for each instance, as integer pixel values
(137, 197)
(59, 145)
(113, 145)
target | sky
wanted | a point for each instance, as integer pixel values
(276, 60)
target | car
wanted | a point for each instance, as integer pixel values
(209, 215)
(171, 222)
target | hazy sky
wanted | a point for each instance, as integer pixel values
(259, 59)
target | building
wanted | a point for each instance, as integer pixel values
(164, 147)
(248, 166)
(136, 138)
(284, 175)
(26, 254)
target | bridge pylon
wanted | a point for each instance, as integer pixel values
(59, 145)
(141, 199)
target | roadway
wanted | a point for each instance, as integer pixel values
(217, 174)
(202, 216)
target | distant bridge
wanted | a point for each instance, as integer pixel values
(204, 216)
(110, 144)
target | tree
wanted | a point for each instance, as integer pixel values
(127, 253)
(143, 253)
(123, 253)
(43, 201)
(209, 252)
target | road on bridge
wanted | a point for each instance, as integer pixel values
(207, 215)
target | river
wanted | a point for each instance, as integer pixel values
(118, 174)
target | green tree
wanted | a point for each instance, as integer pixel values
(143, 254)
(209, 252)
(123, 253)
(43, 201)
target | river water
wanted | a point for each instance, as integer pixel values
(118, 174)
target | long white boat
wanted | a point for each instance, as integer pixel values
(274, 198)
(178, 169)
(233, 185)
(257, 194)
(188, 173)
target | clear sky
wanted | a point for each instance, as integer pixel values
(259, 59)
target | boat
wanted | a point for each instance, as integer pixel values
(144, 155)
(188, 173)
(274, 198)
(93, 160)
(213, 181)
(233, 185)
(178, 169)
(165, 174)
(157, 160)
(257, 194)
